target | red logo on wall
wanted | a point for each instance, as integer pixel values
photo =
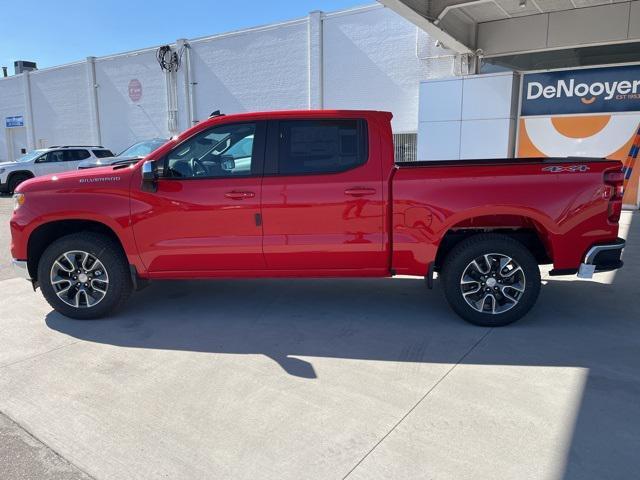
(135, 90)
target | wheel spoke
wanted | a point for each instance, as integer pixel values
(467, 279)
(487, 260)
(71, 261)
(96, 288)
(94, 265)
(76, 299)
(63, 291)
(60, 280)
(519, 287)
(503, 290)
(85, 257)
(91, 300)
(510, 273)
(480, 305)
(480, 270)
(472, 292)
(504, 261)
(62, 267)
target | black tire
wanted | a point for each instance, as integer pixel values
(16, 180)
(459, 262)
(108, 253)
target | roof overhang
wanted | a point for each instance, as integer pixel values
(517, 33)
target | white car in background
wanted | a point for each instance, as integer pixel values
(46, 161)
(130, 155)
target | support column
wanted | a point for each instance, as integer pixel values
(171, 82)
(31, 131)
(184, 49)
(94, 109)
(8, 135)
(192, 88)
(315, 60)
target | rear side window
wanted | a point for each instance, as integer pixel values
(75, 155)
(103, 153)
(321, 146)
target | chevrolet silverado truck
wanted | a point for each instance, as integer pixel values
(315, 194)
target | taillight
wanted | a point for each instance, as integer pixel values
(614, 180)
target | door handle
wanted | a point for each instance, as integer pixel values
(239, 195)
(359, 191)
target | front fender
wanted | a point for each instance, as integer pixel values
(109, 207)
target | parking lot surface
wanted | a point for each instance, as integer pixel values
(322, 379)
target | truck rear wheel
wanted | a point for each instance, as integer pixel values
(84, 276)
(491, 280)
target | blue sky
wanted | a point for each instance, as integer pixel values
(53, 32)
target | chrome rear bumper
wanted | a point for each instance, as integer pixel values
(602, 258)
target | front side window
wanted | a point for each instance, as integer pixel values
(223, 151)
(321, 146)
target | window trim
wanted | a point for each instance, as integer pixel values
(258, 157)
(272, 161)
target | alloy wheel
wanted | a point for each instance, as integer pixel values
(79, 279)
(493, 283)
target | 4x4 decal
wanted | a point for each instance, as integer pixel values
(566, 168)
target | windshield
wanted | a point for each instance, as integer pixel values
(30, 156)
(142, 149)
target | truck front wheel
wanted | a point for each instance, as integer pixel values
(16, 180)
(491, 280)
(84, 275)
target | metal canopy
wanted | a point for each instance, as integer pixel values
(502, 30)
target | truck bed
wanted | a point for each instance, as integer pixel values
(431, 198)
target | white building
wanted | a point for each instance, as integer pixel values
(363, 58)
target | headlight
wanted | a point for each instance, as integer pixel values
(2, 170)
(18, 200)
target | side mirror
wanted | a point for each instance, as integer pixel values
(150, 176)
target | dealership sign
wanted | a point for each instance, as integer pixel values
(591, 90)
(12, 122)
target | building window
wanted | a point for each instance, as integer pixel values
(405, 147)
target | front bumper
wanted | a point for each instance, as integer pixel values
(21, 268)
(602, 258)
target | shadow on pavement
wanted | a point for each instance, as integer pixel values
(360, 319)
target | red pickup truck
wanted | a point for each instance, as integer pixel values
(315, 194)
